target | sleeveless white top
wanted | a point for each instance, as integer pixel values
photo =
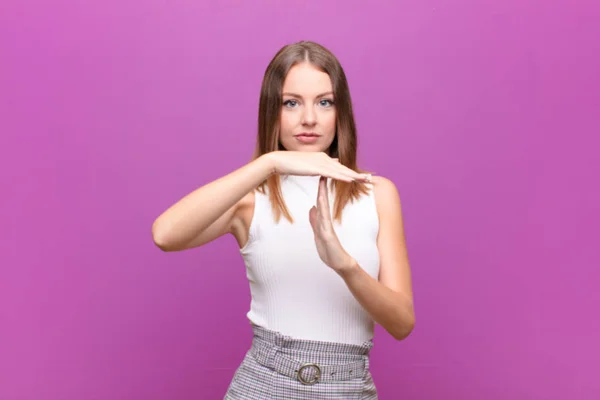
(293, 291)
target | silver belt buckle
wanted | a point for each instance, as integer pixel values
(317, 374)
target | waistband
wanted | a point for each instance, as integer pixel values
(310, 361)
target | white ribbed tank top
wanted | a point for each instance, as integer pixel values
(293, 291)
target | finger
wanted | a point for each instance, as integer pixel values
(352, 176)
(336, 174)
(324, 199)
(320, 197)
(319, 201)
(351, 173)
(312, 218)
(342, 177)
(339, 171)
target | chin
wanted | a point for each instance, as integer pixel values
(315, 147)
(309, 149)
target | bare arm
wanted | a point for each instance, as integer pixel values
(208, 212)
(388, 300)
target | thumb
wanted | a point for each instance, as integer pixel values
(312, 216)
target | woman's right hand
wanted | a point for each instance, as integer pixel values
(313, 163)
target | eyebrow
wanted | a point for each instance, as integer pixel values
(297, 95)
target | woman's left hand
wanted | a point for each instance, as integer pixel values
(328, 245)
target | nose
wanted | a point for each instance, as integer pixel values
(309, 116)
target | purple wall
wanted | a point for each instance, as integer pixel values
(485, 114)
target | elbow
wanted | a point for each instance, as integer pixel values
(160, 237)
(404, 328)
(404, 332)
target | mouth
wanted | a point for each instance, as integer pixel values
(307, 137)
(307, 134)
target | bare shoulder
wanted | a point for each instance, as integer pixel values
(387, 196)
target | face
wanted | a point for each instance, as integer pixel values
(308, 115)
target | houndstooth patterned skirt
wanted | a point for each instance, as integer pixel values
(279, 367)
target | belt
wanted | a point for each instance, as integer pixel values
(309, 373)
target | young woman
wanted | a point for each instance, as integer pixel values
(322, 240)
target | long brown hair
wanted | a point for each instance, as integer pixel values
(344, 145)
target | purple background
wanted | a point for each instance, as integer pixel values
(484, 113)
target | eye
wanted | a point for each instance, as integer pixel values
(290, 103)
(326, 103)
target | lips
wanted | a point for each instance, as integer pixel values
(307, 137)
(308, 134)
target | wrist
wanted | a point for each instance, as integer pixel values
(269, 164)
(349, 268)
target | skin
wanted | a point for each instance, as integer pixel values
(309, 106)
(226, 205)
(388, 300)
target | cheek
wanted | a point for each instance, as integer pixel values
(330, 121)
(286, 122)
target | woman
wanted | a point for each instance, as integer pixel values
(322, 240)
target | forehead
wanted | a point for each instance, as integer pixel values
(305, 79)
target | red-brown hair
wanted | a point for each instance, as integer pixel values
(344, 145)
